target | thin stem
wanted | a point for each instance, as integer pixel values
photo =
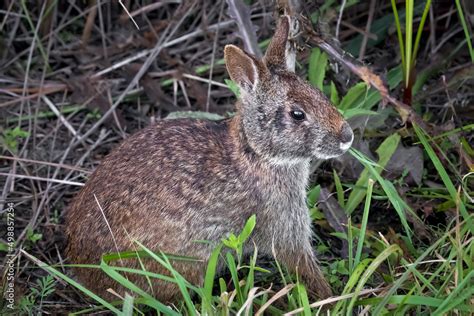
(466, 31)
(408, 39)
(399, 35)
(420, 30)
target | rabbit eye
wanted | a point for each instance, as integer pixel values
(297, 115)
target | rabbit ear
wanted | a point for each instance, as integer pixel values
(275, 55)
(243, 68)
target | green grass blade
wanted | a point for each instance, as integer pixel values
(112, 272)
(417, 300)
(378, 309)
(420, 31)
(397, 202)
(313, 195)
(385, 152)
(180, 281)
(147, 273)
(450, 302)
(350, 244)
(78, 286)
(182, 284)
(339, 190)
(235, 278)
(127, 308)
(303, 299)
(353, 279)
(209, 277)
(135, 254)
(248, 228)
(365, 219)
(408, 39)
(400, 36)
(443, 174)
(465, 28)
(35, 34)
(369, 271)
(249, 282)
(334, 95)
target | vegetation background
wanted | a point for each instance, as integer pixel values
(393, 218)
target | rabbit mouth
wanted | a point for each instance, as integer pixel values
(333, 152)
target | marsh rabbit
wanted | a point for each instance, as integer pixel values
(181, 181)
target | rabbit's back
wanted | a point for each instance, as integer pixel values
(170, 183)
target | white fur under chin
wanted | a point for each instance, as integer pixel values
(325, 157)
(284, 161)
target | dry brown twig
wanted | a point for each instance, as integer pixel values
(363, 72)
(128, 14)
(86, 34)
(335, 299)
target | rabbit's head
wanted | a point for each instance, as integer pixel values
(283, 117)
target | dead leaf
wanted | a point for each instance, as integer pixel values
(406, 159)
(335, 216)
(394, 238)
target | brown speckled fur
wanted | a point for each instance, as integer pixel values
(180, 181)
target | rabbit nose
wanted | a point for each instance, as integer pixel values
(346, 137)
